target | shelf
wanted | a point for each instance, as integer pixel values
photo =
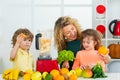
(109, 15)
(115, 60)
(100, 19)
(109, 39)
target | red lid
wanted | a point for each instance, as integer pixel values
(101, 28)
(100, 9)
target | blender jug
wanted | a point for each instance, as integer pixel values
(44, 45)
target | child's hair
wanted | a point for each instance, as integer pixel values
(97, 36)
(24, 31)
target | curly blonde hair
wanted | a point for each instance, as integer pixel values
(59, 39)
(24, 31)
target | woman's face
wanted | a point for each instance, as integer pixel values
(70, 32)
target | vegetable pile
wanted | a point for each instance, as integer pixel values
(65, 55)
(98, 71)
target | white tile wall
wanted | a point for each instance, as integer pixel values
(35, 15)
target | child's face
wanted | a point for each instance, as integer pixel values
(70, 32)
(89, 43)
(25, 44)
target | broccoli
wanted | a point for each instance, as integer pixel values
(98, 71)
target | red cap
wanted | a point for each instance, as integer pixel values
(101, 28)
(100, 9)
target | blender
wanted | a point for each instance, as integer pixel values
(44, 62)
(43, 44)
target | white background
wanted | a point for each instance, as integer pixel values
(37, 15)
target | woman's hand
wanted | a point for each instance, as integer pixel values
(65, 64)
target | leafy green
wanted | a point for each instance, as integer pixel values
(98, 71)
(65, 55)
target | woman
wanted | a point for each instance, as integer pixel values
(67, 35)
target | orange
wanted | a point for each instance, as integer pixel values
(87, 73)
(103, 50)
(64, 71)
(54, 73)
(23, 35)
(73, 77)
(59, 77)
(27, 77)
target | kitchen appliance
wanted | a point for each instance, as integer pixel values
(114, 28)
(43, 44)
(44, 62)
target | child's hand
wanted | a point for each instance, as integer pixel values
(23, 35)
(83, 67)
(19, 39)
(103, 50)
(106, 59)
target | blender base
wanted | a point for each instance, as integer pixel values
(46, 65)
(44, 58)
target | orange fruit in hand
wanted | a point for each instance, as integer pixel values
(103, 50)
(23, 35)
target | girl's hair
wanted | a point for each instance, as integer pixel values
(61, 22)
(97, 36)
(24, 31)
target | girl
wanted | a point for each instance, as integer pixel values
(20, 56)
(91, 41)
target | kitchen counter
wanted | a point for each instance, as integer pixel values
(110, 76)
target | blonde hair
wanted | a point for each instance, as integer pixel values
(97, 36)
(24, 31)
(61, 22)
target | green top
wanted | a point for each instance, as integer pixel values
(74, 46)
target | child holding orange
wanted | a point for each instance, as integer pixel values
(91, 41)
(20, 56)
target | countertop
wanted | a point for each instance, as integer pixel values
(110, 76)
